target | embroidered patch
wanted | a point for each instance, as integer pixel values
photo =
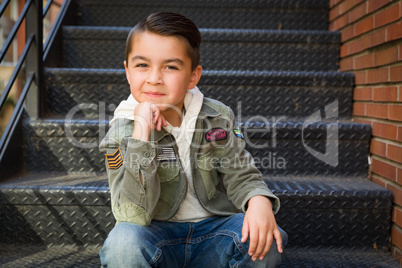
(165, 153)
(216, 134)
(238, 133)
(115, 160)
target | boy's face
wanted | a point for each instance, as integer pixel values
(159, 70)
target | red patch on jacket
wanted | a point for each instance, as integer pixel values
(216, 134)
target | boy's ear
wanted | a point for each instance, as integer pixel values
(127, 74)
(195, 77)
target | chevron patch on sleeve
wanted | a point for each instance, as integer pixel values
(115, 160)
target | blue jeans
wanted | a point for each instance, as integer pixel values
(214, 242)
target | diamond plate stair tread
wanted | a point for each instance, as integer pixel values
(11, 257)
(221, 49)
(212, 14)
(55, 145)
(67, 210)
(93, 92)
(291, 258)
(290, 187)
(289, 130)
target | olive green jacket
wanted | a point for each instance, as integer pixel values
(224, 174)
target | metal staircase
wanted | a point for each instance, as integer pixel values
(273, 62)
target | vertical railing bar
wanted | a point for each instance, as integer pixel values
(47, 7)
(17, 109)
(17, 69)
(14, 31)
(56, 26)
(3, 7)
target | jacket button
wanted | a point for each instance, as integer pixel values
(147, 154)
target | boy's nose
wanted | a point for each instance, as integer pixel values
(155, 77)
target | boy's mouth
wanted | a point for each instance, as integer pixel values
(154, 94)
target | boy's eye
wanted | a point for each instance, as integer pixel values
(141, 65)
(170, 67)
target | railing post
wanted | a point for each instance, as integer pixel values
(34, 25)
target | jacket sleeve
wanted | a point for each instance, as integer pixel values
(133, 197)
(241, 177)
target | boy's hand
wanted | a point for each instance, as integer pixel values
(259, 223)
(147, 117)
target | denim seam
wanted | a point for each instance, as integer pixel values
(188, 245)
(225, 233)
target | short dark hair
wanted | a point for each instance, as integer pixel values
(170, 24)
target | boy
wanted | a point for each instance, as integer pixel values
(184, 191)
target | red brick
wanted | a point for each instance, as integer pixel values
(378, 181)
(358, 45)
(333, 13)
(359, 108)
(377, 110)
(385, 94)
(358, 12)
(347, 33)
(361, 78)
(363, 62)
(400, 94)
(365, 93)
(399, 138)
(339, 23)
(346, 64)
(344, 51)
(397, 216)
(396, 74)
(378, 148)
(397, 253)
(386, 56)
(395, 112)
(383, 130)
(394, 31)
(387, 16)
(374, 5)
(394, 152)
(396, 236)
(347, 5)
(384, 169)
(396, 192)
(363, 121)
(364, 26)
(377, 38)
(399, 176)
(377, 75)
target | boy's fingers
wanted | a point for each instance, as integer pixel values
(253, 242)
(278, 239)
(266, 249)
(262, 239)
(244, 232)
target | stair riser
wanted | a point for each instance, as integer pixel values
(219, 51)
(70, 217)
(272, 156)
(311, 15)
(269, 96)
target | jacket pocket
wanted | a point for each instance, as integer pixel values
(168, 174)
(207, 164)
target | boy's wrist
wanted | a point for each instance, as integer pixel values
(140, 133)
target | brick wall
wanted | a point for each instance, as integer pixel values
(371, 48)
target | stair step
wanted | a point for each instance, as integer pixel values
(248, 93)
(71, 210)
(255, 14)
(221, 49)
(279, 148)
(53, 257)
(291, 258)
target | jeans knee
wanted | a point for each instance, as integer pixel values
(126, 246)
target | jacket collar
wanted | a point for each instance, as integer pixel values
(206, 111)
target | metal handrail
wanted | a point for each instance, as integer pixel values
(34, 36)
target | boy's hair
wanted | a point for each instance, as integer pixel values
(170, 24)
